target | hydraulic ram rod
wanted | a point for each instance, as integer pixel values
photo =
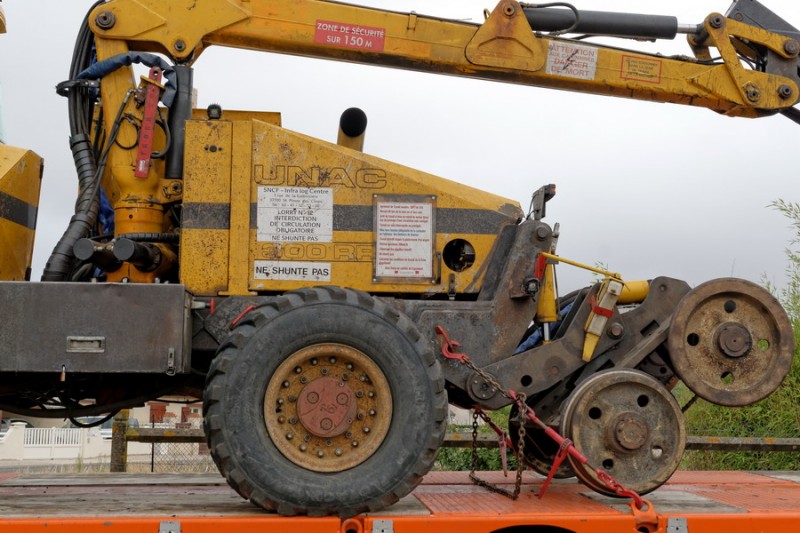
(629, 25)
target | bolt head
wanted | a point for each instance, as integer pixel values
(105, 20)
(785, 92)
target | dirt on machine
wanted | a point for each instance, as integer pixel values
(326, 304)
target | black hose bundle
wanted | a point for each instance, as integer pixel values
(84, 154)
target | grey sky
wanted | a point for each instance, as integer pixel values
(648, 189)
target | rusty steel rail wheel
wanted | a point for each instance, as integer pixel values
(625, 422)
(731, 342)
(324, 401)
(540, 449)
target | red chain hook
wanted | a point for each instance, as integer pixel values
(643, 509)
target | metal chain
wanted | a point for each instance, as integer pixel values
(482, 482)
(525, 413)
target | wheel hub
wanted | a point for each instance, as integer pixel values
(328, 407)
(734, 340)
(630, 432)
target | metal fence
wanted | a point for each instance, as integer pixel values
(184, 449)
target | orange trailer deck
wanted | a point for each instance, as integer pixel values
(691, 502)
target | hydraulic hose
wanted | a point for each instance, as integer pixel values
(59, 265)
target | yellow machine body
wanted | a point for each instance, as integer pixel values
(20, 182)
(266, 209)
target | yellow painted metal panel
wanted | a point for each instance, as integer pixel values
(206, 197)
(314, 218)
(20, 181)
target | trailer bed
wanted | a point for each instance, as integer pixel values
(691, 502)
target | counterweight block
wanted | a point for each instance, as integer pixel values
(731, 342)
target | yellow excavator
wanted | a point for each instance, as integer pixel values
(320, 300)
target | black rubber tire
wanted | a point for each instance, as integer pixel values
(233, 403)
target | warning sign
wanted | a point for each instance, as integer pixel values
(292, 271)
(571, 60)
(641, 69)
(295, 214)
(349, 35)
(404, 240)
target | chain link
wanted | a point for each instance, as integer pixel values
(525, 413)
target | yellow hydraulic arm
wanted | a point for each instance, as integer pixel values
(753, 72)
(503, 48)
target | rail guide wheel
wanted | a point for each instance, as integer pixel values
(324, 401)
(540, 449)
(625, 422)
(731, 342)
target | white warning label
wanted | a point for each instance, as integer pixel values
(571, 60)
(295, 214)
(292, 271)
(404, 241)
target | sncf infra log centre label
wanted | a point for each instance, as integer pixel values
(349, 35)
(295, 214)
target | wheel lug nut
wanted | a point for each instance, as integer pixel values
(371, 394)
(362, 377)
(372, 412)
(354, 444)
(349, 366)
(281, 419)
(338, 452)
(314, 362)
(297, 370)
(332, 360)
(280, 401)
(289, 436)
(303, 447)
(320, 454)
(285, 384)
(366, 429)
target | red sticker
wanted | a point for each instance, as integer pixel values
(349, 36)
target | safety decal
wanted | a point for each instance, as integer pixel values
(292, 270)
(295, 214)
(571, 60)
(404, 240)
(641, 69)
(352, 36)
